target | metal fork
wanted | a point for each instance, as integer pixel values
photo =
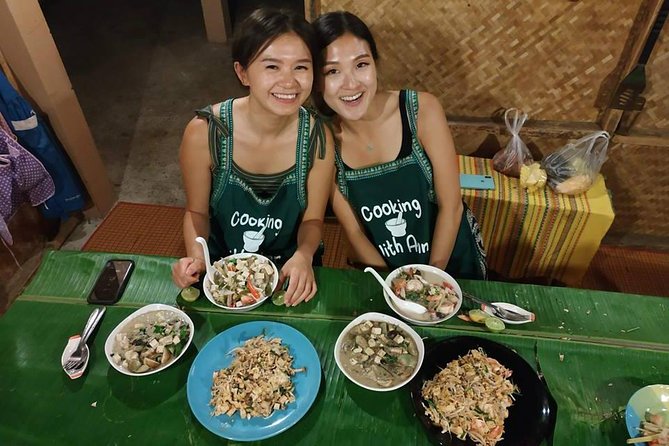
(502, 313)
(78, 356)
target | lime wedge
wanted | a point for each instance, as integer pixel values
(278, 297)
(190, 294)
(478, 316)
(494, 324)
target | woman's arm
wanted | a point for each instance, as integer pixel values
(436, 138)
(302, 283)
(365, 252)
(195, 163)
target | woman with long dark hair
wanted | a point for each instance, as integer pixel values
(257, 169)
(397, 190)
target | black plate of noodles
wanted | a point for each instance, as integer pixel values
(466, 384)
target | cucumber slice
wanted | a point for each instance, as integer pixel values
(190, 294)
(494, 324)
(478, 316)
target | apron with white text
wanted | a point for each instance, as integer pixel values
(396, 204)
(243, 222)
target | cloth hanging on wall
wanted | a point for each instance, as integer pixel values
(36, 137)
(22, 178)
(4, 126)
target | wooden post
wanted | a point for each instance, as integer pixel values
(216, 20)
(26, 42)
(312, 9)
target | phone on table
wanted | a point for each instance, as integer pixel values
(470, 181)
(111, 282)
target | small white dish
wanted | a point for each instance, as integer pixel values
(111, 339)
(275, 281)
(70, 347)
(420, 346)
(510, 307)
(423, 319)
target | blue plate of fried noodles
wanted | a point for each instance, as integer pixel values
(219, 354)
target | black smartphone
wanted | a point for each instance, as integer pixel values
(111, 282)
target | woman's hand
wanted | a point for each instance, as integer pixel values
(301, 281)
(186, 271)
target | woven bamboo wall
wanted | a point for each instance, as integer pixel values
(639, 185)
(479, 56)
(655, 115)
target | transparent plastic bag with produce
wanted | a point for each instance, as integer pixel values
(573, 169)
(516, 154)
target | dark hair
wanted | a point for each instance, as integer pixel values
(262, 27)
(329, 27)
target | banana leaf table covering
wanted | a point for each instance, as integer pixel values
(594, 350)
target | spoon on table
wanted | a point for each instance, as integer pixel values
(402, 304)
(79, 355)
(207, 260)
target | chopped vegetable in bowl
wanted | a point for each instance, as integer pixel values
(239, 282)
(439, 298)
(150, 341)
(378, 354)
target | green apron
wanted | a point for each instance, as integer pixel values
(396, 204)
(240, 221)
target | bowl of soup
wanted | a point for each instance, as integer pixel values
(379, 352)
(429, 286)
(149, 340)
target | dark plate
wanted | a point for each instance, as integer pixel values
(531, 417)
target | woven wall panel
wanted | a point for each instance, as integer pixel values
(485, 146)
(655, 115)
(639, 185)
(480, 56)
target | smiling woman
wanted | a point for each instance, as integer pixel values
(397, 194)
(280, 170)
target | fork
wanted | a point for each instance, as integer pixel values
(78, 357)
(502, 313)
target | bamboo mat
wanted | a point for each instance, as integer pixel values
(149, 229)
(135, 228)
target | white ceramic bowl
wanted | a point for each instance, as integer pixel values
(382, 318)
(111, 339)
(431, 271)
(206, 283)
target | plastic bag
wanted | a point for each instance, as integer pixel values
(573, 169)
(515, 154)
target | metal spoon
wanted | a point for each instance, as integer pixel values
(207, 260)
(500, 312)
(80, 354)
(402, 304)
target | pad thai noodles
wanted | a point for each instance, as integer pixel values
(470, 397)
(654, 429)
(258, 381)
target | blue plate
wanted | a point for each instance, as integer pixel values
(217, 354)
(653, 398)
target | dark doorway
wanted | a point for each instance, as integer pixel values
(239, 9)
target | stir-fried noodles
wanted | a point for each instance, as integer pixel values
(257, 382)
(471, 396)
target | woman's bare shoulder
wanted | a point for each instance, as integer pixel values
(196, 134)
